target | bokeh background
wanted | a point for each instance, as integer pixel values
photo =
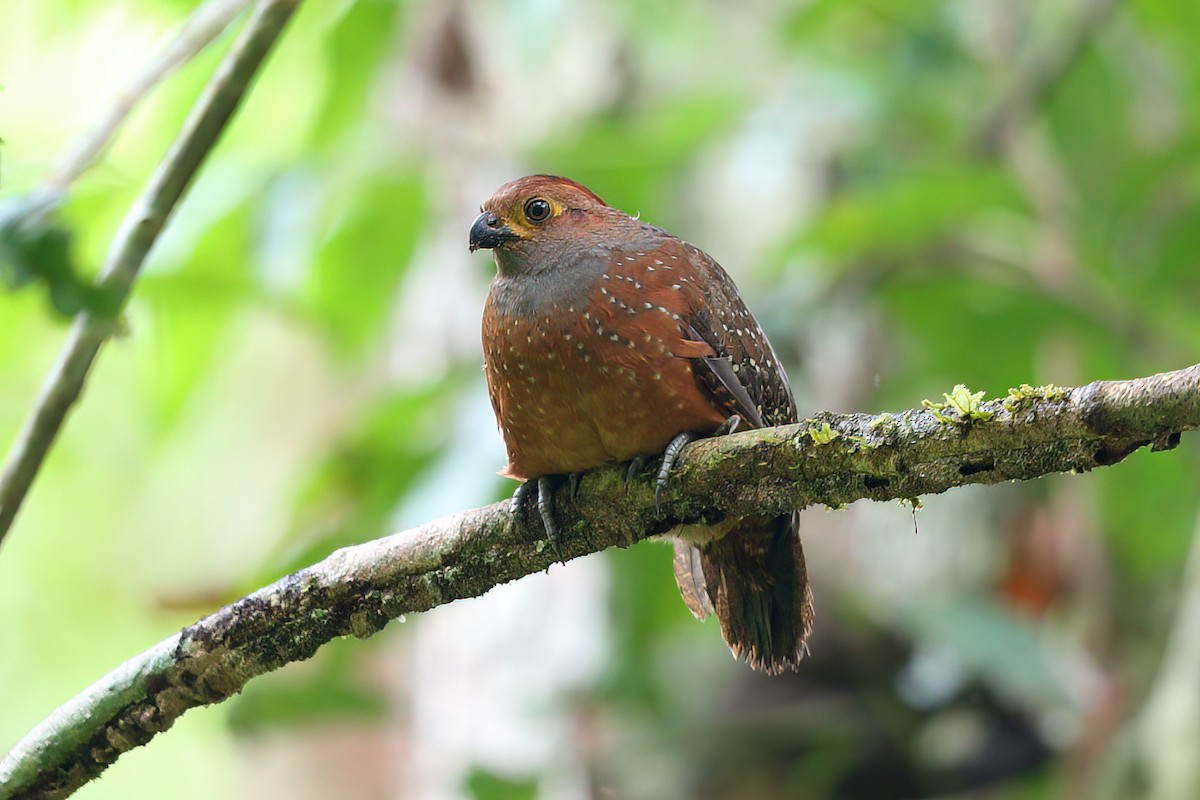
(910, 195)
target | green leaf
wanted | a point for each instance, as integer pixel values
(36, 248)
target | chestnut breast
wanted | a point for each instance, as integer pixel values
(600, 369)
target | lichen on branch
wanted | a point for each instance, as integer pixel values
(830, 459)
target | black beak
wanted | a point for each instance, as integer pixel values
(489, 232)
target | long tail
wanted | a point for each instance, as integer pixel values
(754, 580)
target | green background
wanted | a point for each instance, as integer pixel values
(910, 195)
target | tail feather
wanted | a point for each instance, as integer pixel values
(689, 575)
(755, 581)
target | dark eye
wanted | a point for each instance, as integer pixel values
(537, 210)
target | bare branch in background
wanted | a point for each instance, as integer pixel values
(138, 233)
(201, 28)
(1042, 74)
(831, 459)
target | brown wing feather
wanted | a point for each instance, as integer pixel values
(754, 578)
(744, 375)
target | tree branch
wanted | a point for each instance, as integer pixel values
(830, 459)
(205, 24)
(138, 233)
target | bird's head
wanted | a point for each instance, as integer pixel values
(527, 220)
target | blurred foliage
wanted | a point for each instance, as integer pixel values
(356, 487)
(911, 196)
(482, 785)
(36, 250)
(328, 690)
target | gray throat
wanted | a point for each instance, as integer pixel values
(561, 280)
(566, 283)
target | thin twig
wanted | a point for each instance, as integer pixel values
(138, 232)
(831, 459)
(204, 25)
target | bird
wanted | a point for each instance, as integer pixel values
(608, 340)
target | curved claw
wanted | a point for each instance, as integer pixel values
(542, 490)
(545, 506)
(675, 447)
(729, 426)
(636, 465)
(670, 456)
(521, 495)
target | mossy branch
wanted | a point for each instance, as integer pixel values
(832, 459)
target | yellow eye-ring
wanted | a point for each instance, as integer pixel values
(537, 210)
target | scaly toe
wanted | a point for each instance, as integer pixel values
(539, 491)
(521, 496)
(670, 456)
(545, 505)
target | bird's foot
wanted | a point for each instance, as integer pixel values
(540, 491)
(636, 465)
(670, 456)
(729, 426)
(675, 447)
